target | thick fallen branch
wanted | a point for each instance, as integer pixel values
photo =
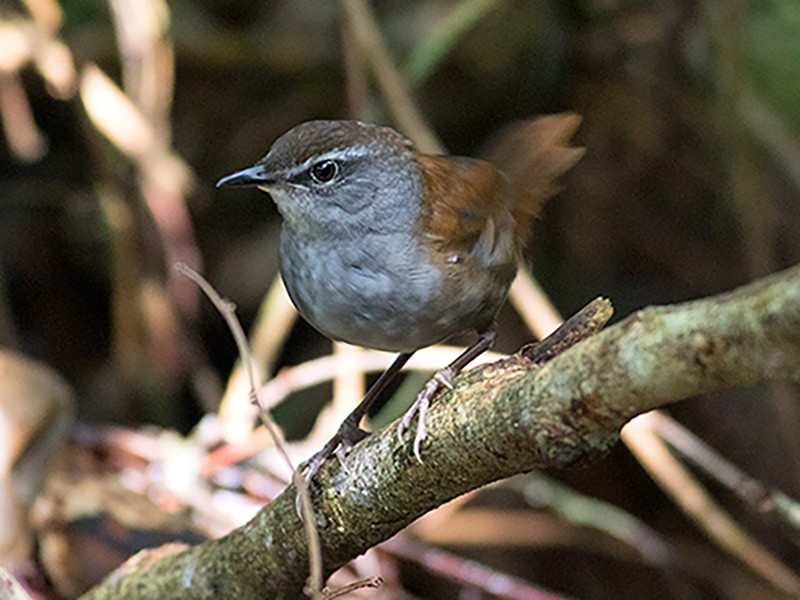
(501, 419)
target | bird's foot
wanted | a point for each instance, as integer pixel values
(342, 442)
(441, 379)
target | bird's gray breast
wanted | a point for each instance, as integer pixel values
(375, 290)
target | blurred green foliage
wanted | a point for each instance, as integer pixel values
(771, 49)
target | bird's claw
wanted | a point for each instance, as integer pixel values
(340, 444)
(441, 379)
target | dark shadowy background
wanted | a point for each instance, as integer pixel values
(689, 187)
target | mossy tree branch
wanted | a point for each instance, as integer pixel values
(501, 419)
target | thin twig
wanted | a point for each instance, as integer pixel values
(544, 492)
(695, 501)
(313, 587)
(395, 90)
(465, 572)
(319, 370)
(271, 328)
(228, 311)
(369, 582)
(753, 492)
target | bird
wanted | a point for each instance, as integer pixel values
(390, 248)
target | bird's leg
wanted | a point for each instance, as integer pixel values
(349, 432)
(442, 378)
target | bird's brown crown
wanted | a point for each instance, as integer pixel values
(317, 138)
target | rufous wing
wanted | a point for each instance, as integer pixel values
(464, 205)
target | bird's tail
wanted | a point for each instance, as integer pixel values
(533, 155)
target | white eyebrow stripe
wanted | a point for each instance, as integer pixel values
(335, 154)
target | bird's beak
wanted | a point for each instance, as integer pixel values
(251, 177)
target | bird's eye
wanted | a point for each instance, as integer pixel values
(324, 171)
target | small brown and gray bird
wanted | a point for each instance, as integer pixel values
(389, 248)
